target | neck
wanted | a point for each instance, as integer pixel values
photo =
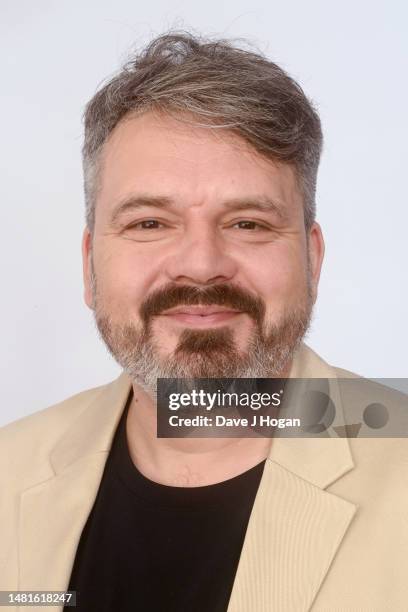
(186, 462)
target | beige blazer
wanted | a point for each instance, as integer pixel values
(328, 529)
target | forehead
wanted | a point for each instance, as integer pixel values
(161, 155)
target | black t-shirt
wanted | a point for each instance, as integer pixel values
(149, 547)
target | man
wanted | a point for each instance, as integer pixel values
(201, 259)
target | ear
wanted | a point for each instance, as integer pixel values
(86, 267)
(316, 254)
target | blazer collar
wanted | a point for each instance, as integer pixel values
(93, 431)
(320, 461)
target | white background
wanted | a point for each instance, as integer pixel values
(349, 56)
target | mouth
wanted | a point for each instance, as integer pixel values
(201, 316)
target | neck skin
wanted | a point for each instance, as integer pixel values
(187, 462)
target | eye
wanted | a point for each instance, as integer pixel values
(250, 225)
(147, 224)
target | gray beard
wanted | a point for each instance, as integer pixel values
(208, 353)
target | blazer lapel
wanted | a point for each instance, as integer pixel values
(52, 517)
(296, 527)
(53, 513)
(294, 532)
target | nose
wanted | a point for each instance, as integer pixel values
(200, 258)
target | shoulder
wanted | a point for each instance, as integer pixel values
(379, 445)
(57, 416)
(25, 444)
(376, 412)
(381, 407)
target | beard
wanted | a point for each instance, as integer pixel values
(203, 353)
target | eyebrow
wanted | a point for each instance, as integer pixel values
(135, 202)
(261, 203)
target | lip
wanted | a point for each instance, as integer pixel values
(201, 316)
(199, 310)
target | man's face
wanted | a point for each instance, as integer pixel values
(199, 265)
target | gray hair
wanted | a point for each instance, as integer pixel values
(221, 86)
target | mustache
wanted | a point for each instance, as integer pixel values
(223, 294)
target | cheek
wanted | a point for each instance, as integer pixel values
(279, 277)
(122, 282)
